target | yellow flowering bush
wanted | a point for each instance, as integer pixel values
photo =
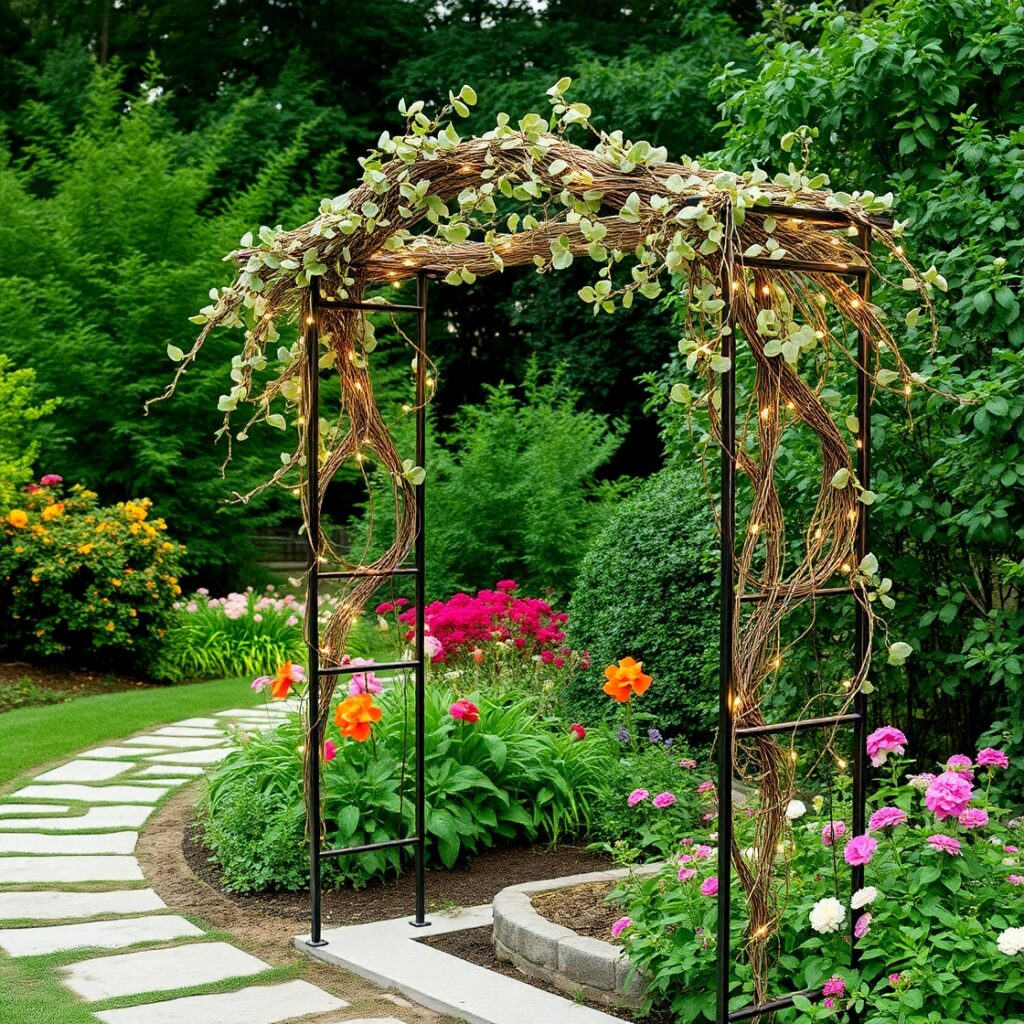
(97, 583)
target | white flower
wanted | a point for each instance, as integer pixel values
(1011, 942)
(795, 809)
(827, 915)
(862, 897)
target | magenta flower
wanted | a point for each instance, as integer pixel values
(862, 927)
(261, 683)
(992, 758)
(1016, 879)
(50, 479)
(883, 742)
(944, 844)
(974, 817)
(835, 986)
(464, 711)
(687, 874)
(894, 980)
(1010, 849)
(330, 750)
(507, 585)
(636, 797)
(860, 850)
(688, 762)
(962, 765)
(702, 852)
(433, 648)
(830, 1003)
(362, 682)
(663, 800)
(832, 831)
(949, 795)
(705, 787)
(887, 817)
(620, 926)
(709, 887)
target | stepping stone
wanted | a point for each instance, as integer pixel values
(374, 1020)
(251, 713)
(6, 809)
(267, 1004)
(70, 869)
(199, 723)
(116, 934)
(49, 904)
(194, 756)
(94, 818)
(113, 752)
(157, 970)
(161, 769)
(28, 842)
(84, 771)
(182, 742)
(177, 730)
(95, 794)
(162, 782)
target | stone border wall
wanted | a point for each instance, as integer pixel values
(559, 956)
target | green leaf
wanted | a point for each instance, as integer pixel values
(277, 421)
(348, 820)
(175, 353)
(840, 478)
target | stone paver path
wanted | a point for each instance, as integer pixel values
(69, 884)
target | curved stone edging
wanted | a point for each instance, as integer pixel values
(558, 955)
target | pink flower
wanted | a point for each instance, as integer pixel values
(949, 795)
(862, 927)
(883, 742)
(709, 887)
(706, 787)
(1016, 879)
(330, 750)
(886, 817)
(261, 683)
(992, 758)
(50, 479)
(362, 682)
(688, 762)
(835, 986)
(383, 609)
(973, 817)
(832, 831)
(944, 844)
(1010, 849)
(508, 586)
(464, 711)
(637, 796)
(687, 874)
(894, 980)
(702, 852)
(962, 765)
(860, 850)
(578, 731)
(663, 800)
(830, 1003)
(620, 926)
(433, 648)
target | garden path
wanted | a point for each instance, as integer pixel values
(71, 887)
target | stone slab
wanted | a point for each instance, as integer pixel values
(37, 870)
(252, 713)
(14, 809)
(188, 730)
(199, 723)
(193, 756)
(116, 934)
(126, 816)
(113, 752)
(31, 842)
(387, 953)
(167, 769)
(265, 1004)
(157, 970)
(94, 794)
(373, 1020)
(162, 781)
(84, 771)
(177, 742)
(50, 904)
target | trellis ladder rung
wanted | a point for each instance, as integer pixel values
(345, 670)
(805, 723)
(370, 847)
(784, 1003)
(805, 266)
(824, 592)
(370, 307)
(359, 574)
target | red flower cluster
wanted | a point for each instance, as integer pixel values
(474, 625)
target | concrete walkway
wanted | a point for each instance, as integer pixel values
(69, 884)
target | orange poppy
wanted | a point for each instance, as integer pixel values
(282, 682)
(355, 715)
(625, 679)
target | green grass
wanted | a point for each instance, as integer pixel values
(30, 737)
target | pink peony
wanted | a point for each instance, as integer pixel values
(663, 800)
(362, 682)
(944, 844)
(636, 797)
(862, 927)
(620, 926)
(962, 765)
(883, 742)
(949, 795)
(383, 609)
(992, 758)
(835, 986)
(507, 585)
(1010, 849)
(464, 711)
(830, 1003)
(832, 831)
(702, 852)
(433, 648)
(578, 731)
(887, 817)
(50, 479)
(330, 750)
(687, 874)
(709, 887)
(706, 787)
(860, 850)
(974, 817)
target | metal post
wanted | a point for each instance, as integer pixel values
(310, 355)
(420, 920)
(727, 584)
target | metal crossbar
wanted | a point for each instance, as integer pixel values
(728, 730)
(315, 725)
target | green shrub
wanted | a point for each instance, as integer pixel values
(17, 409)
(77, 577)
(506, 778)
(648, 589)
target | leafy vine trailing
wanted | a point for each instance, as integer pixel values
(433, 201)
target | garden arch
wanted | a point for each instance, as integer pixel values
(770, 261)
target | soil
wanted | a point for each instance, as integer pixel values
(468, 886)
(581, 908)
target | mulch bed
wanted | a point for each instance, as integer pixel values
(466, 886)
(581, 908)
(25, 685)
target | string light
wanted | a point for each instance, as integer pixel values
(765, 413)
(309, 320)
(466, 169)
(793, 756)
(907, 389)
(761, 932)
(860, 443)
(845, 567)
(755, 528)
(790, 406)
(855, 303)
(841, 763)
(766, 290)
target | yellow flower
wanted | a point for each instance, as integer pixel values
(35, 578)
(110, 627)
(116, 583)
(52, 511)
(19, 550)
(177, 590)
(85, 549)
(132, 612)
(18, 518)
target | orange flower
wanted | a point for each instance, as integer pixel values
(18, 518)
(625, 679)
(287, 675)
(355, 715)
(52, 511)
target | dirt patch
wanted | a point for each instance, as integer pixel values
(467, 886)
(581, 908)
(257, 929)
